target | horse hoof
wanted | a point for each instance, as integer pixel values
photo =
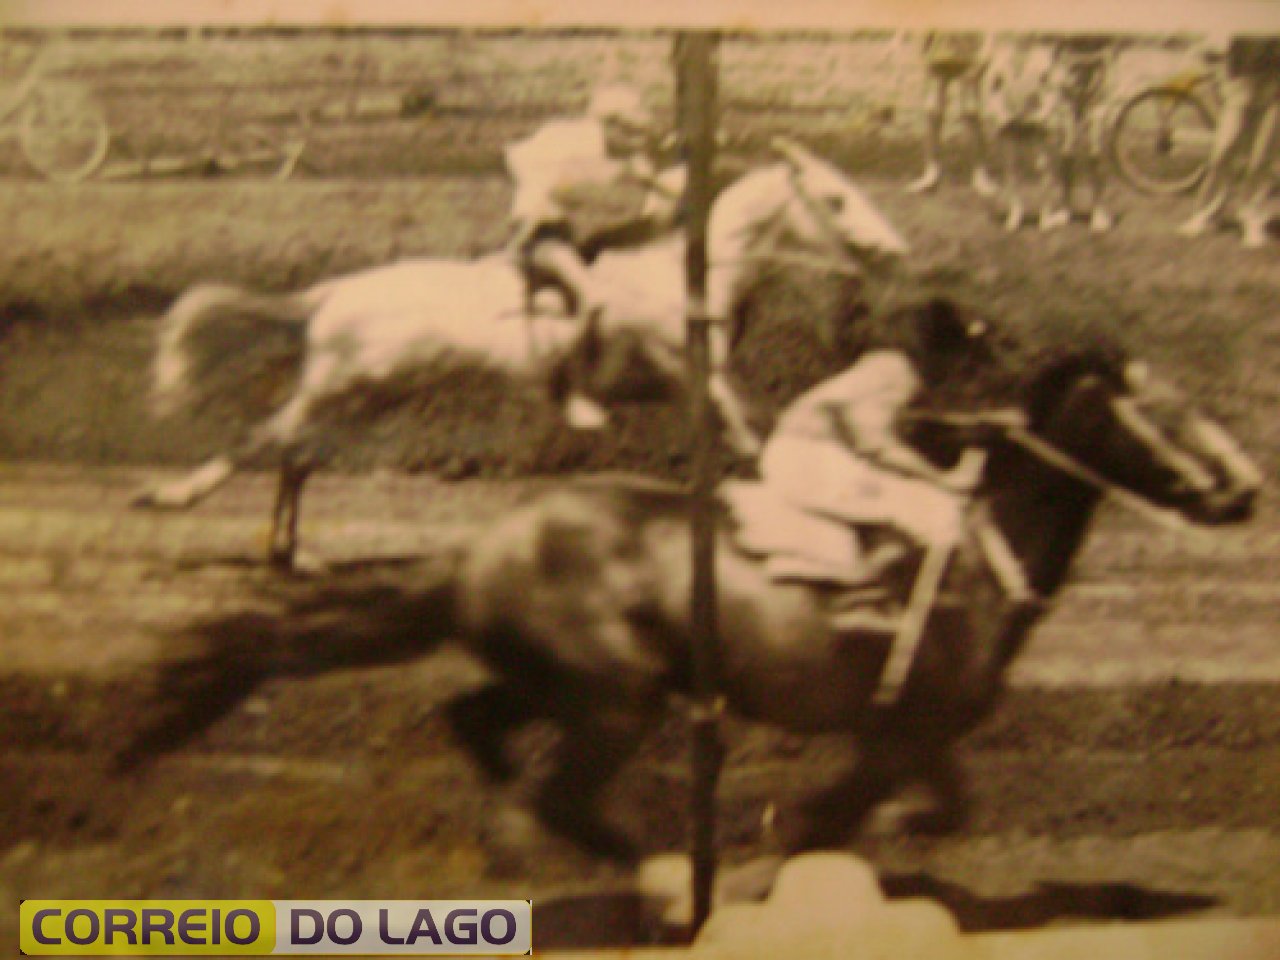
(298, 563)
(913, 816)
(584, 414)
(155, 498)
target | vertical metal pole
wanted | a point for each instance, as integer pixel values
(696, 112)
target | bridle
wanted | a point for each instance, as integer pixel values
(1057, 458)
(1063, 462)
(830, 236)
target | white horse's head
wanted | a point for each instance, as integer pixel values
(800, 211)
(829, 213)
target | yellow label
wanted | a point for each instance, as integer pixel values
(158, 928)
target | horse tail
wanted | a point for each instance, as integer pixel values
(391, 613)
(214, 323)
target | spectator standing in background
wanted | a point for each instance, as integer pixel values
(1251, 95)
(1021, 107)
(1079, 90)
(960, 59)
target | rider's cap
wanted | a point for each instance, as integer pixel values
(621, 103)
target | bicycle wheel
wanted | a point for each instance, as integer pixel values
(1161, 140)
(64, 134)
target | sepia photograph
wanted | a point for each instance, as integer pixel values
(716, 481)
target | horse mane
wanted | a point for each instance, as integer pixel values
(983, 372)
(999, 368)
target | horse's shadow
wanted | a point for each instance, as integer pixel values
(1049, 901)
(622, 918)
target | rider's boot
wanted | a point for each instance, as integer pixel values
(863, 609)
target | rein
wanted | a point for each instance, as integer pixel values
(832, 236)
(1063, 462)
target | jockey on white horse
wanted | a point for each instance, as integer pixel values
(571, 163)
(575, 177)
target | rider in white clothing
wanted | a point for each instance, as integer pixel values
(565, 172)
(836, 452)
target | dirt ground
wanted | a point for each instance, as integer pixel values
(1134, 796)
(1134, 771)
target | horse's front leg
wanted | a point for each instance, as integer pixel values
(597, 740)
(744, 440)
(283, 545)
(728, 405)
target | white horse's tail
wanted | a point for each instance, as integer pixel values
(218, 341)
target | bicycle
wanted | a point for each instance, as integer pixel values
(1163, 133)
(60, 128)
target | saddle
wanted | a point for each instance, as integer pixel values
(830, 556)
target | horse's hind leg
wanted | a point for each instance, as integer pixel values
(865, 798)
(284, 433)
(278, 432)
(481, 721)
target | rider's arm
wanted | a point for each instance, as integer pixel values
(900, 458)
(864, 405)
(892, 454)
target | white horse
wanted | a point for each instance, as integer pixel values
(365, 328)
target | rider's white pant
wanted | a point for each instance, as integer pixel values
(824, 478)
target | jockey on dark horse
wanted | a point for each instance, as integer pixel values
(837, 452)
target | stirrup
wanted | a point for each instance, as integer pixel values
(864, 621)
(1026, 605)
(848, 599)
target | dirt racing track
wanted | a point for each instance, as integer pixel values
(1133, 772)
(1129, 775)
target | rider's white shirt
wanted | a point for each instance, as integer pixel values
(811, 467)
(869, 396)
(557, 155)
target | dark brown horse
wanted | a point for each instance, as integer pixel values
(578, 601)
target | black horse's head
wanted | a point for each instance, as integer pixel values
(1115, 417)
